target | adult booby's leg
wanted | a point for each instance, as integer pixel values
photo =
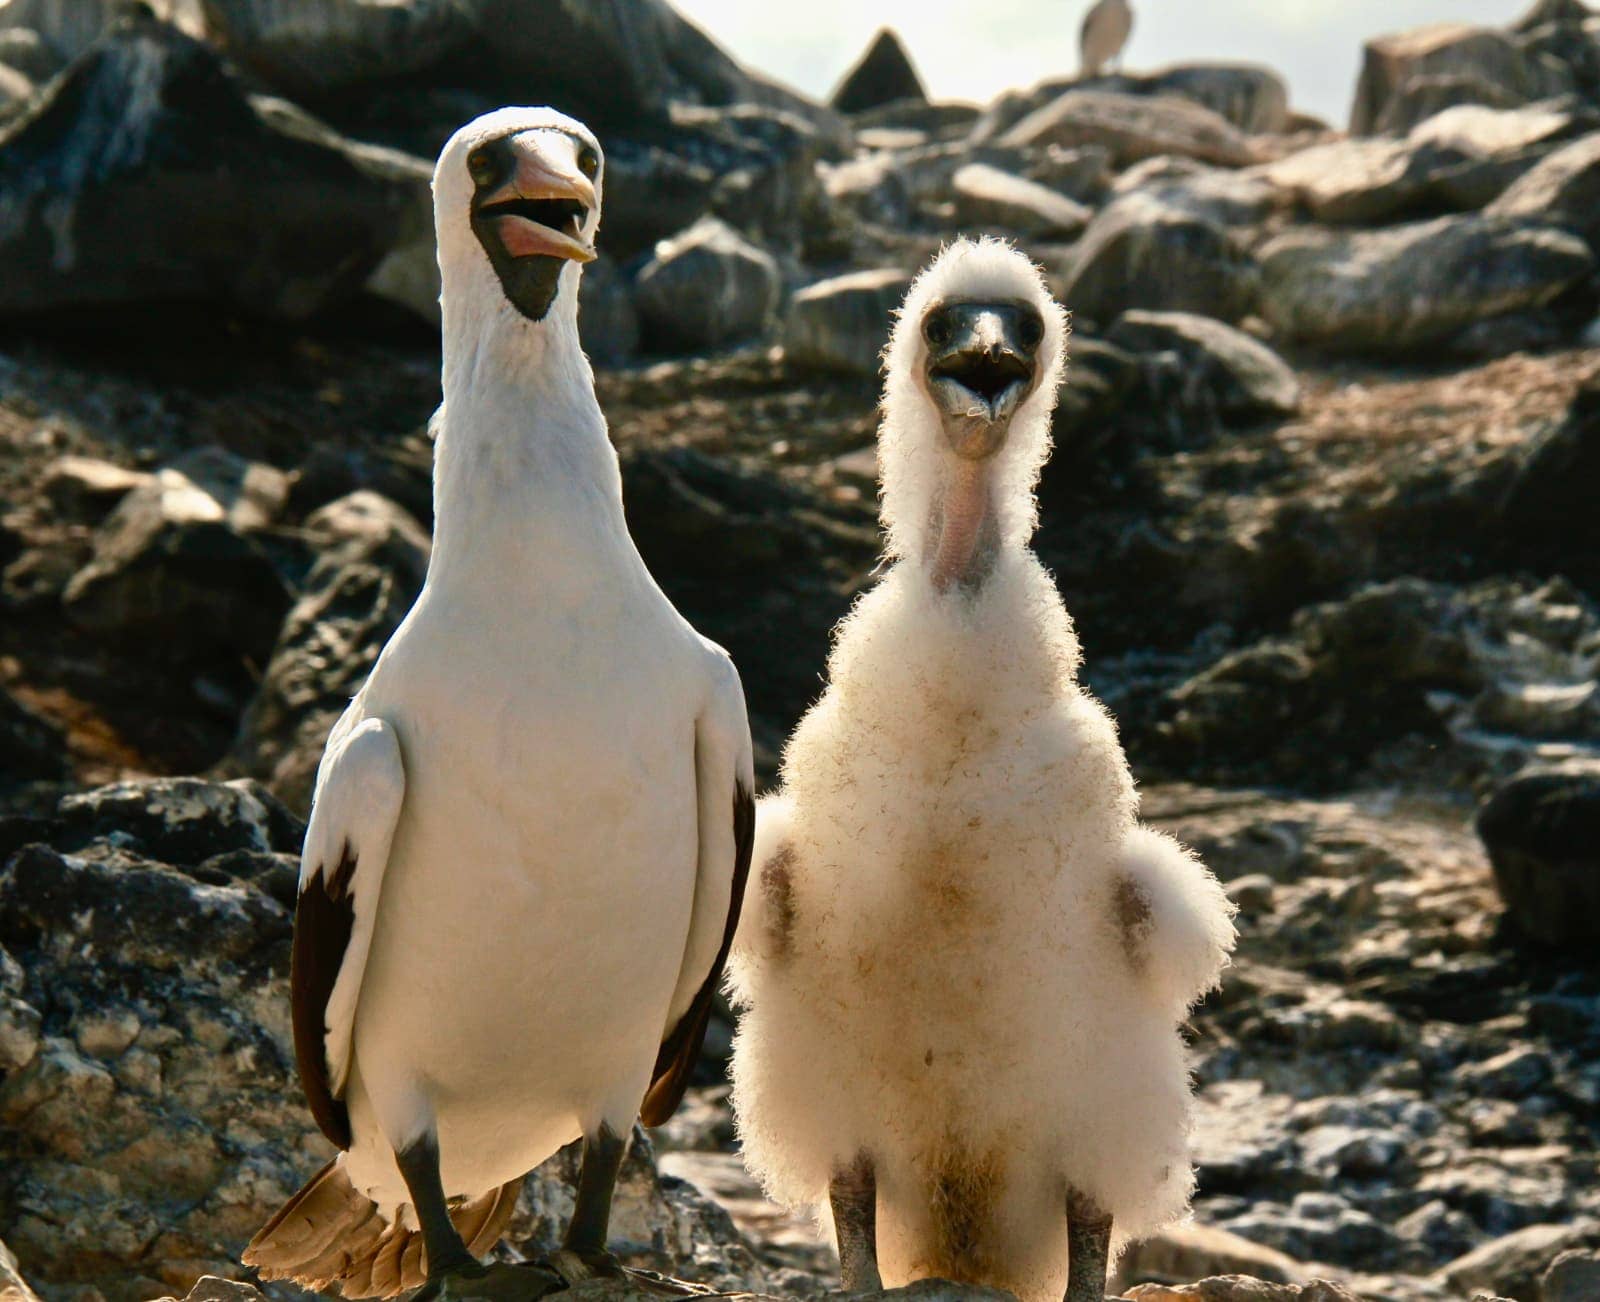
(1088, 1249)
(419, 1165)
(583, 1252)
(853, 1195)
(453, 1272)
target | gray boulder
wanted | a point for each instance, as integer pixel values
(178, 561)
(706, 287)
(1574, 1276)
(1132, 128)
(1249, 97)
(145, 172)
(1467, 64)
(1411, 287)
(613, 63)
(1141, 253)
(1240, 376)
(1563, 190)
(1253, 98)
(842, 324)
(884, 74)
(1214, 194)
(1474, 675)
(987, 198)
(870, 188)
(1478, 131)
(371, 560)
(85, 488)
(1512, 1264)
(1355, 182)
(1542, 832)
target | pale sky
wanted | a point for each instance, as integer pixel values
(973, 49)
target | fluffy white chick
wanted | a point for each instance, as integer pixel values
(965, 966)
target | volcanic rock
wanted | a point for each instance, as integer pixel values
(1132, 128)
(1513, 1264)
(884, 74)
(705, 287)
(1574, 1276)
(1563, 190)
(1395, 660)
(1408, 288)
(987, 198)
(1140, 253)
(371, 560)
(145, 173)
(1244, 377)
(842, 323)
(177, 560)
(1480, 66)
(1542, 832)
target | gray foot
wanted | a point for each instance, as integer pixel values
(575, 1266)
(496, 1283)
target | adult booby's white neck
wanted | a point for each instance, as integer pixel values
(523, 461)
(526, 483)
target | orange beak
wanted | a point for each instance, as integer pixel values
(536, 180)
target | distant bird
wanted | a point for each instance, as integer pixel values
(531, 828)
(965, 963)
(1106, 28)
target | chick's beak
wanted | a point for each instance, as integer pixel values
(982, 362)
(541, 208)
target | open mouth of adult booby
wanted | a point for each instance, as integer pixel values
(531, 227)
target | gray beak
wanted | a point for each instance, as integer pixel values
(982, 362)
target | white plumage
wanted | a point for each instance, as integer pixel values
(1106, 28)
(537, 785)
(964, 957)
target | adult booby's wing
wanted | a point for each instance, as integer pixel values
(360, 785)
(725, 785)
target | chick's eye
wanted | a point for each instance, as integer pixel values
(588, 162)
(1030, 330)
(936, 329)
(480, 166)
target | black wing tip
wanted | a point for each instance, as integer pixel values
(675, 1062)
(323, 920)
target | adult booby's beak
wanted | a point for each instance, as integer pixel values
(541, 205)
(982, 362)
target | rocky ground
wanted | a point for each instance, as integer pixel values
(1322, 503)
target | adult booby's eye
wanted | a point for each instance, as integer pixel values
(588, 162)
(481, 166)
(936, 329)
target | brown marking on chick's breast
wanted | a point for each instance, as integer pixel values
(777, 884)
(1132, 914)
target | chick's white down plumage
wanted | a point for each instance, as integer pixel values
(937, 962)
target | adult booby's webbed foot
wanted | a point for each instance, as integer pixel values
(493, 1283)
(1088, 1249)
(575, 1267)
(853, 1196)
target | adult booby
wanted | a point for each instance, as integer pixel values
(1106, 28)
(965, 963)
(530, 830)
